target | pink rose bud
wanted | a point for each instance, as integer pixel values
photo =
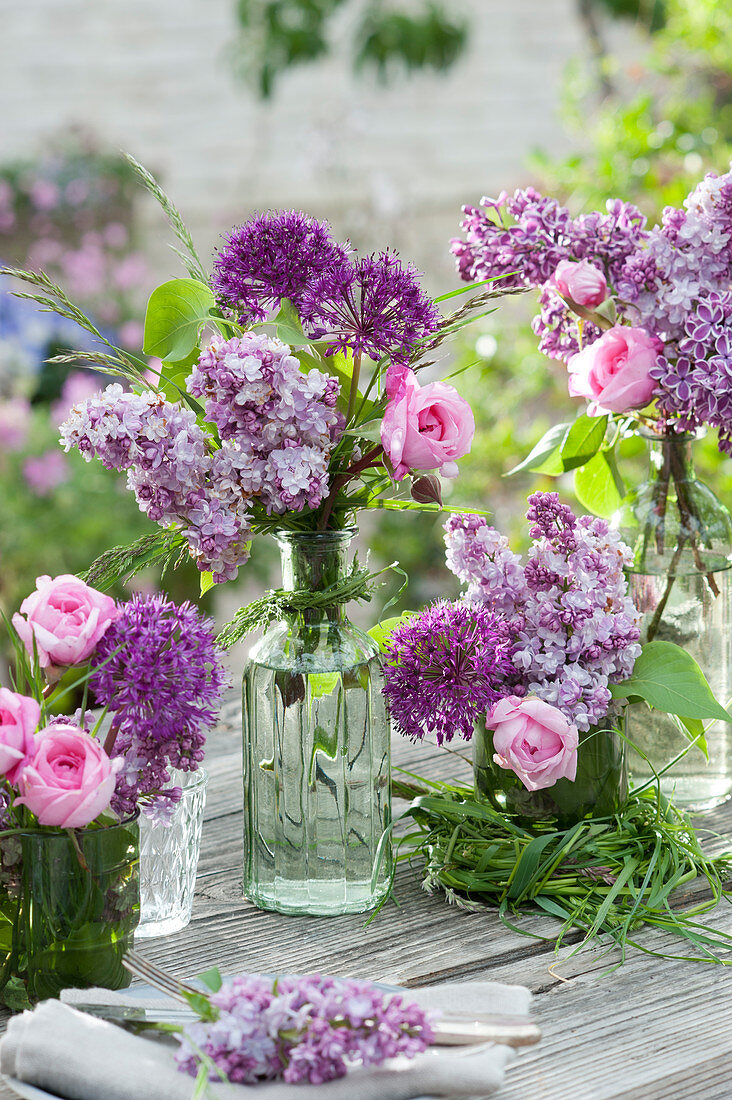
(614, 373)
(66, 618)
(582, 282)
(19, 717)
(70, 780)
(425, 427)
(534, 740)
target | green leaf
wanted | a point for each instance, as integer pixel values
(583, 440)
(212, 979)
(383, 630)
(669, 679)
(200, 1004)
(176, 313)
(545, 458)
(596, 487)
(207, 582)
(323, 683)
(695, 729)
(370, 430)
(289, 327)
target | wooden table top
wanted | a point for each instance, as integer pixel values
(654, 1029)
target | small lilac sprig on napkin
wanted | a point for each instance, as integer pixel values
(301, 1029)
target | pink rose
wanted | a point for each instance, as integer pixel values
(582, 282)
(70, 779)
(614, 372)
(534, 740)
(67, 618)
(425, 427)
(19, 717)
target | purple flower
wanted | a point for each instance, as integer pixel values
(573, 625)
(162, 677)
(522, 238)
(273, 256)
(445, 667)
(307, 1029)
(374, 306)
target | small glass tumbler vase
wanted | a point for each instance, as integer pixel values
(681, 579)
(599, 789)
(316, 750)
(69, 905)
(169, 860)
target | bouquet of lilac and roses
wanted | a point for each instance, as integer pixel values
(545, 652)
(641, 317)
(286, 394)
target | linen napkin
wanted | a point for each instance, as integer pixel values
(79, 1057)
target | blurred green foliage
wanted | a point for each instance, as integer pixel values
(278, 34)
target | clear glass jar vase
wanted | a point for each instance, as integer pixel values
(169, 853)
(69, 906)
(681, 579)
(599, 789)
(316, 749)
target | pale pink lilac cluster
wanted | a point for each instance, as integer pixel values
(277, 427)
(280, 424)
(575, 628)
(308, 1029)
(168, 459)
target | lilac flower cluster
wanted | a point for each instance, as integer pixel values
(444, 667)
(574, 626)
(686, 258)
(308, 1029)
(522, 237)
(373, 306)
(277, 426)
(168, 459)
(696, 387)
(273, 256)
(280, 424)
(160, 673)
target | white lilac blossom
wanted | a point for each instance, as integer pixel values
(575, 628)
(308, 1029)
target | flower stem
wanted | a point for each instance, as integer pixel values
(354, 386)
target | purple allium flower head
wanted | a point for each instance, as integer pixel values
(445, 667)
(161, 677)
(373, 306)
(273, 256)
(307, 1029)
(574, 627)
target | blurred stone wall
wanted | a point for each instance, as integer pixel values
(387, 165)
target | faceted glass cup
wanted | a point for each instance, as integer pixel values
(169, 860)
